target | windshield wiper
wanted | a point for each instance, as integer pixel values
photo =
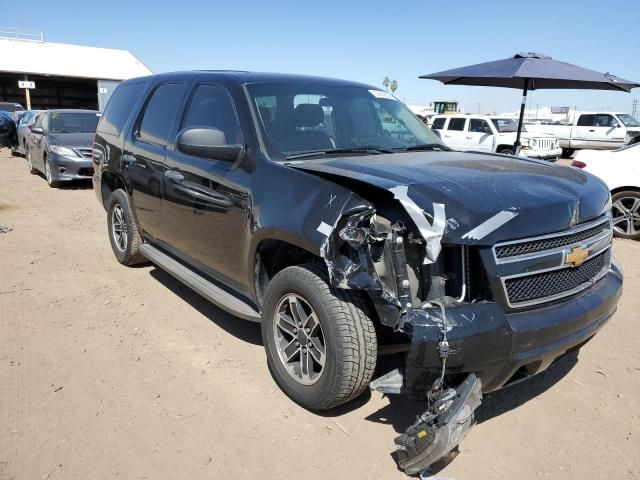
(365, 149)
(425, 147)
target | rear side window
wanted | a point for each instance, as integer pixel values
(457, 124)
(586, 120)
(438, 124)
(479, 126)
(119, 107)
(160, 112)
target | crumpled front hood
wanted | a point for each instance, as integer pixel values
(528, 197)
(73, 140)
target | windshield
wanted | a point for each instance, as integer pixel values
(74, 122)
(506, 125)
(304, 118)
(628, 120)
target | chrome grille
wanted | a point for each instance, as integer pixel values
(541, 269)
(85, 152)
(544, 143)
(532, 246)
(556, 283)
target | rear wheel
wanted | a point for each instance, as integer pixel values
(123, 230)
(320, 341)
(625, 211)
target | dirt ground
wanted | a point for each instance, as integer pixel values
(113, 372)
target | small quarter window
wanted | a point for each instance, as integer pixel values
(438, 123)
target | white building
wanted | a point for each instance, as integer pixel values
(65, 76)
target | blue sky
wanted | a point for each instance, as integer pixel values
(357, 40)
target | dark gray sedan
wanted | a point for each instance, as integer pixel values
(59, 145)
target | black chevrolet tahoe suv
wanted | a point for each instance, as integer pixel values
(327, 211)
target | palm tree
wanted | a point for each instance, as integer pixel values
(393, 86)
(386, 82)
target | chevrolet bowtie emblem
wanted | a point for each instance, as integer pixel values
(576, 256)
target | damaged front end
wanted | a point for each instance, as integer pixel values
(396, 255)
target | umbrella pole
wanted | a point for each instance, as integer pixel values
(516, 146)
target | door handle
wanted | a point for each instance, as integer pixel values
(128, 159)
(469, 138)
(592, 130)
(174, 176)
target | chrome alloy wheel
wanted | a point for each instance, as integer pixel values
(119, 229)
(299, 339)
(626, 215)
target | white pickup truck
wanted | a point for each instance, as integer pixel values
(492, 134)
(593, 130)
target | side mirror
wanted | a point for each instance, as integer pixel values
(615, 124)
(38, 130)
(208, 143)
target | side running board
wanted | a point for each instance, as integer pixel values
(204, 287)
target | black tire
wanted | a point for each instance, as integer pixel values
(127, 252)
(348, 332)
(48, 175)
(506, 151)
(14, 152)
(567, 152)
(626, 214)
(32, 169)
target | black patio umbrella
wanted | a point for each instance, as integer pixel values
(531, 71)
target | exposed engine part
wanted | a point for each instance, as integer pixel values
(441, 428)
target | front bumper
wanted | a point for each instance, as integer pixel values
(66, 168)
(502, 348)
(553, 153)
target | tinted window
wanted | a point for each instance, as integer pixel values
(438, 124)
(119, 107)
(211, 106)
(160, 112)
(457, 124)
(586, 120)
(479, 126)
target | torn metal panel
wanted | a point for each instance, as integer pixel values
(432, 233)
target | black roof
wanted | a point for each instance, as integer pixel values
(261, 77)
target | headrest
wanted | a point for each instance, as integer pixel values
(308, 115)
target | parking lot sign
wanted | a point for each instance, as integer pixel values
(26, 84)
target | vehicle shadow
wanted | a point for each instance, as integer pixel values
(401, 412)
(245, 330)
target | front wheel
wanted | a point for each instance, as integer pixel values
(625, 211)
(506, 151)
(48, 173)
(320, 341)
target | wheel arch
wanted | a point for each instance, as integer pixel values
(110, 182)
(625, 189)
(276, 252)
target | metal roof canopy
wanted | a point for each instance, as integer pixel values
(65, 60)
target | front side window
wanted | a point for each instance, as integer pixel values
(603, 120)
(506, 125)
(73, 122)
(457, 124)
(211, 107)
(38, 121)
(628, 120)
(160, 113)
(307, 118)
